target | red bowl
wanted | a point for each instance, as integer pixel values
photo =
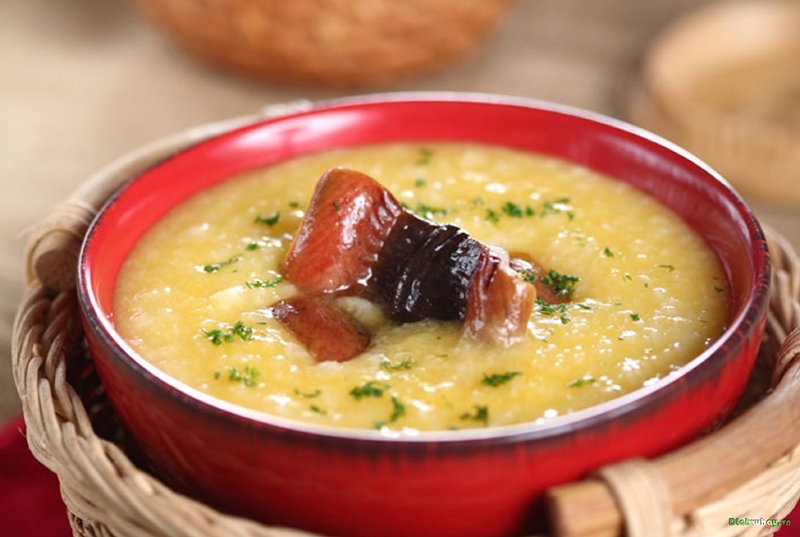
(476, 482)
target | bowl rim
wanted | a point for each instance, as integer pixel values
(754, 305)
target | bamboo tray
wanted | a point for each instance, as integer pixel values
(71, 428)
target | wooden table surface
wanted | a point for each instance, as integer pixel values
(85, 81)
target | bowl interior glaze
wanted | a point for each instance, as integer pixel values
(524, 459)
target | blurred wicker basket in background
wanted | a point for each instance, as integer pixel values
(724, 82)
(340, 43)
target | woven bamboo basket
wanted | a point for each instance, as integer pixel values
(326, 42)
(723, 81)
(748, 468)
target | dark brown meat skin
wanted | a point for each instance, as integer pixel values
(425, 270)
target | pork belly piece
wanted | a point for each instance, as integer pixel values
(327, 332)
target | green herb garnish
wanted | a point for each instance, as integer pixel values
(577, 383)
(260, 284)
(217, 336)
(426, 211)
(553, 207)
(372, 388)
(307, 395)
(607, 251)
(498, 379)
(318, 410)
(251, 373)
(562, 284)
(481, 414)
(635, 317)
(252, 246)
(389, 366)
(513, 210)
(244, 332)
(398, 410)
(669, 268)
(492, 217)
(425, 157)
(268, 220)
(216, 266)
(420, 182)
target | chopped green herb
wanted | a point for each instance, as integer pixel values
(498, 379)
(217, 375)
(481, 414)
(398, 410)
(635, 317)
(545, 308)
(513, 210)
(626, 277)
(564, 318)
(216, 266)
(372, 388)
(244, 332)
(669, 268)
(492, 217)
(389, 366)
(528, 276)
(425, 157)
(234, 375)
(318, 410)
(217, 336)
(529, 211)
(420, 182)
(607, 251)
(252, 246)
(719, 289)
(251, 374)
(269, 220)
(307, 395)
(294, 204)
(553, 207)
(583, 306)
(577, 383)
(562, 284)
(259, 284)
(336, 207)
(426, 211)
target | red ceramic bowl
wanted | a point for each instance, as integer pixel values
(477, 482)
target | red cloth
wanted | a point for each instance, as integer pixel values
(30, 503)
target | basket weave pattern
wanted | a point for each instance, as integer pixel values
(328, 42)
(72, 430)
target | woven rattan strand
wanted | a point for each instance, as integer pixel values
(73, 431)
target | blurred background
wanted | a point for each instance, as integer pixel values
(82, 82)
